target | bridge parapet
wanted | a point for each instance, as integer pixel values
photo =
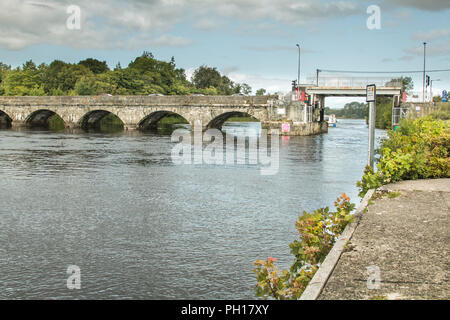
(127, 101)
(340, 81)
(145, 111)
(351, 91)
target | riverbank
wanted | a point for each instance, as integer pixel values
(400, 244)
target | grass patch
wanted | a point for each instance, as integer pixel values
(394, 194)
(172, 119)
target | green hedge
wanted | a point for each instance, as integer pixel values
(418, 149)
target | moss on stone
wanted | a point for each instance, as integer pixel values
(242, 118)
(110, 124)
(56, 123)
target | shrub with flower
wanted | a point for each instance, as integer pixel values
(318, 232)
(418, 149)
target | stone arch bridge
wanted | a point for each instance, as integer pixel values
(140, 112)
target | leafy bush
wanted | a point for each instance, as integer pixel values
(419, 149)
(318, 232)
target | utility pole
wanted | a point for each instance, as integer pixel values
(423, 86)
(371, 96)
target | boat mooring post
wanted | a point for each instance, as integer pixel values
(371, 96)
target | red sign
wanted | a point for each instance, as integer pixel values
(404, 97)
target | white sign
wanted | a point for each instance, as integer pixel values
(281, 111)
(370, 93)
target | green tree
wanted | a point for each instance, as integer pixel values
(51, 79)
(246, 89)
(352, 110)
(205, 77)
(4, 69)
(69, 75)
(24, 81)
(261, 92)
(407, 83)
(95, 65)
(144, 75)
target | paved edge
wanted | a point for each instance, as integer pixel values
(318, 282)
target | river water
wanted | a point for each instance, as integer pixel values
(141, 227)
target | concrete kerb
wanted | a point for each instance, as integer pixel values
(318, 282)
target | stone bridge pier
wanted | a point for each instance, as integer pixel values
(143, 112)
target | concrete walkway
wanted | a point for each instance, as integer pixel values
(400, 248)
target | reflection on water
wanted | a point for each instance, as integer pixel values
(141, 227)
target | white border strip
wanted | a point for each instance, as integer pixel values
(318, 282)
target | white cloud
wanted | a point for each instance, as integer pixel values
(125, 24)
(432, 35)
(271, 48)
(440, 49)
(271, 84)
(120, 24)
(171, 41)
(434, 5)
(104, 24)
(298, 13)
(406, 58)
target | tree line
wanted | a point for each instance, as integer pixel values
(352, 110)
(145, 75)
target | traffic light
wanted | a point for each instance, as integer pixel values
(396, 101)
(294, 84)
(428, 81)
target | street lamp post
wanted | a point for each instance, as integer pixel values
(423, 85)
(298, 74)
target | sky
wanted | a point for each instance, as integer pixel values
(251, 41)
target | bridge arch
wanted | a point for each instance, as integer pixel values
(44, 118)
(5, 120)
(218, 121)
(151, 121)
(101, 120)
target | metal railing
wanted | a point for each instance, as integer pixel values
(345, 81)
(399, 113)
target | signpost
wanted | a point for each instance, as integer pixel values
(371, 96)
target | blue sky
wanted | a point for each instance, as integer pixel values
(250, 41)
